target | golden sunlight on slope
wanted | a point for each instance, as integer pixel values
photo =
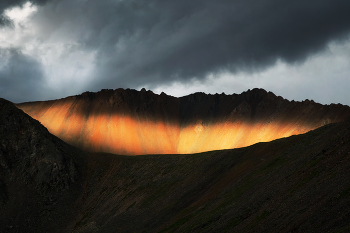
(108, 133)
(232, 135)
(145, 123)
(127, 135)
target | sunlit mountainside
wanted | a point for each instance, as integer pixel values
(134, 122)
(295, 184)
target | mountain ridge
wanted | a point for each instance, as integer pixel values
(140, 122)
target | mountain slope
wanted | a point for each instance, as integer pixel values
(140, 122)
(38, 174)
(295, 184)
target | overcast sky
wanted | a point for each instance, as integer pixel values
(298, 49)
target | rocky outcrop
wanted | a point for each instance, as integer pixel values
(141, 122)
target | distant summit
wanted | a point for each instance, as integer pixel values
(126, 121)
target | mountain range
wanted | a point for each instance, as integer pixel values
(134, 122)
(66, 179)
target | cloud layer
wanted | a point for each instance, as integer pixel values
(19, 74)
(80, 45)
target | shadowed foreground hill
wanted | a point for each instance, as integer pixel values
(38, 175)
(140, 122)
(295, 184)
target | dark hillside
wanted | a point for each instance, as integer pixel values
(38, 174)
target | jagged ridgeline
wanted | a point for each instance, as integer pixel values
(140, 122)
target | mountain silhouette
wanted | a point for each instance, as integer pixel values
(133, 122)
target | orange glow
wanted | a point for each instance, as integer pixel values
(132, 135)
(232, 135)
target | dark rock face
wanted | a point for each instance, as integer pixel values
(32, 163)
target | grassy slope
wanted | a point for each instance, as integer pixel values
(295, 184)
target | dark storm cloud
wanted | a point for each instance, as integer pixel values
(140, 42)
(151, 42)
(21, 77)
